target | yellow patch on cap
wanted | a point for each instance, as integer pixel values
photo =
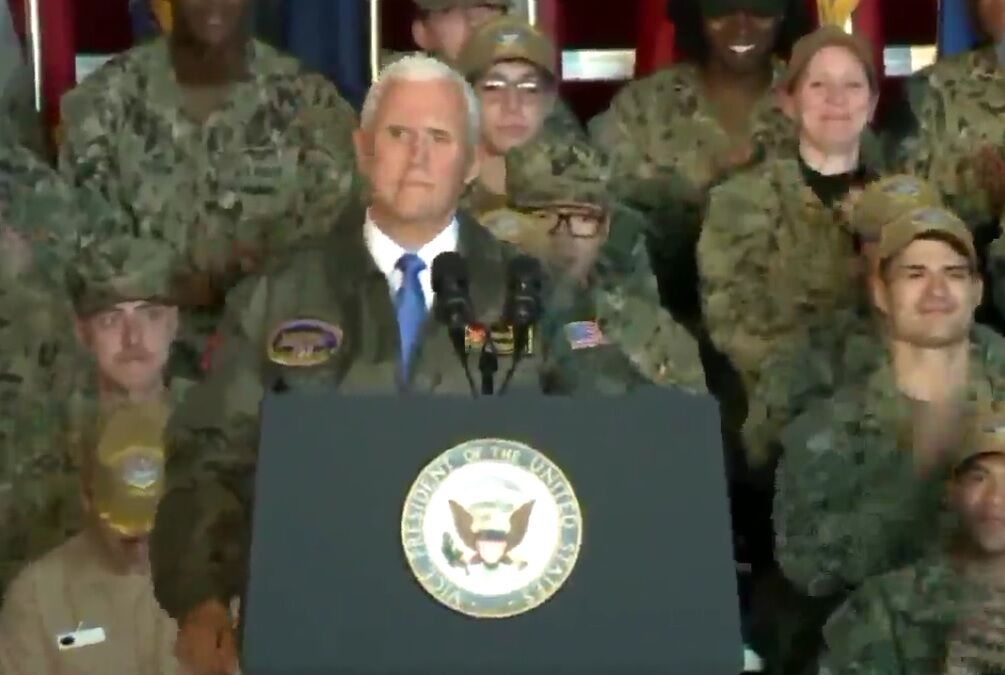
(304, 343)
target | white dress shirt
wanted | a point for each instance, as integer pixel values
(386, 252)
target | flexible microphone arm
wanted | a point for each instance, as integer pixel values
(488, 364)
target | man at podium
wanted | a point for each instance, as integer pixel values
(349, 314)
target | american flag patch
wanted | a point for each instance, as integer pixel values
(584, 335)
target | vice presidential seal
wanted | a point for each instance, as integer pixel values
(491, 528)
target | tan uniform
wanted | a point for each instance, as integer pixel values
(72, 590)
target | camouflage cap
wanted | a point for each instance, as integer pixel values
(121, 269)
(883, 200)
(506, 39)
(557, 169)
(127, 479)
(442, 5)
(898, 234)
(989, 438)
(717, 8)
(827, 36)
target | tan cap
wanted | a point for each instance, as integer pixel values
(522, 230)
(827, 36)
(884, 200)
(441, 5)
(898, 234)
(128, 478)
(989, 438)
(506, 39)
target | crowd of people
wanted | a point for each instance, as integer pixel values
(220, 223)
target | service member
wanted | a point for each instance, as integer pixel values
(614, 334)
(511, 65)
(674, 134)
(945, 613)
(775, 252)
(214, 142)
(859, 479)
(352, 313)
(822, 359)
(122, 291)
(441, 28)
(87, 607)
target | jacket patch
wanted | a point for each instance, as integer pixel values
(303, 343)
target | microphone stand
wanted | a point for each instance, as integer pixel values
(520, 340)
(488, 364)
(457, 339)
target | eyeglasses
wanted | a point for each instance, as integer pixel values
(496, 88)
(581, 223)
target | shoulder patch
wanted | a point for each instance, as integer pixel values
(584, 335)
(303, 343)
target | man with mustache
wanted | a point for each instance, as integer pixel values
(126, 318)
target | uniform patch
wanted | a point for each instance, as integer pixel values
(584, 335)
(502, 336)
(304, 343)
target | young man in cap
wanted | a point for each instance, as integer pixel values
(945, 613)
(858, 481)
(87, 607)
(125, 317)
(512, 67)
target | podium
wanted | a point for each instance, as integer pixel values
(509, 536)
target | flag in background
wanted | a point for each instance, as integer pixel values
(956, 33)
(655, 45)
(334, 39)
(58, 50)
(150, 18)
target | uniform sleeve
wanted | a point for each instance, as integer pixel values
(323, 131)
(848, 502)
(631, 315)
(562, 120)
(860, 638)
(199, 545)
(735, 268)
(22, 636)
(90, 121)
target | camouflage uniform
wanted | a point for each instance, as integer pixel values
(667, 149)
(623, 299)
(321, 319)
(823, 358)
(930, 617)
(772, 258)
(957, 106)
(272, 167)
(45, 427)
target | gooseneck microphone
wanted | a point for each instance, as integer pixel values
(524, 285)
(452, 305)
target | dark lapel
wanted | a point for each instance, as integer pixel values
(486, 267)
(361, 289)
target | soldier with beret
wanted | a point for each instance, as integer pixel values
(125, 317)
(87, 606)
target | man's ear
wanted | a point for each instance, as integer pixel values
(173, 320)
(420, 34)
(877, 285)
(474, 165)
(362, 143)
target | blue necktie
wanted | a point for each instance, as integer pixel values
(411, 305)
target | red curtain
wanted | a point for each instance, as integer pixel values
(655, 44)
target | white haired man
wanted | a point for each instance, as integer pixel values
(362, 329)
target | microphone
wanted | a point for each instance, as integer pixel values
(452, 306)
(523, 307)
